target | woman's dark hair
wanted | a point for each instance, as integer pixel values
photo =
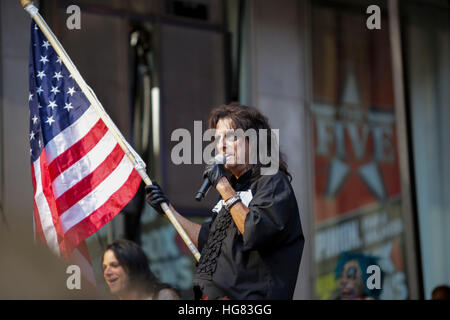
(245, 118)
(133, 259)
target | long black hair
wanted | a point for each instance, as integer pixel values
(133, 259)
(245, 118)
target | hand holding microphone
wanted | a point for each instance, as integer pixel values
(214, 171)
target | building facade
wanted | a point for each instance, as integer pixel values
(358, 91)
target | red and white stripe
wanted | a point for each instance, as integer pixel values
(81, 180)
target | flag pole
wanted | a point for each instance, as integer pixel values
(138, 164)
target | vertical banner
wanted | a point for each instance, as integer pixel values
(359, 249)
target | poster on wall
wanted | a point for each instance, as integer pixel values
(359, 248)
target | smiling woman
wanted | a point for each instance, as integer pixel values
(128, 275)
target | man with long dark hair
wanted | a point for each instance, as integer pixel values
(252, 247)
(128, 276)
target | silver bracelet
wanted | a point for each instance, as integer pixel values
(232, 201)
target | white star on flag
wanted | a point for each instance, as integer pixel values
(41, 74)
(68, 106)
(46, 44)
(52, 105)
(31, 135)
(57, 75)
(55, 90)
(44, 59)
(34, 119)
(59, 60)
(50, 120)
(30, 97)
(39, 90)
(71, 91)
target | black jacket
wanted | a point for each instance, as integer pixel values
(264, 262)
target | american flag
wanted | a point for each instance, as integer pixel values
(81, 176)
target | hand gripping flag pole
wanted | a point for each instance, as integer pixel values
(138, 163)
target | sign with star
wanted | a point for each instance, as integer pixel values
(357, 189)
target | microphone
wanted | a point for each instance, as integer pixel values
(218, 159)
